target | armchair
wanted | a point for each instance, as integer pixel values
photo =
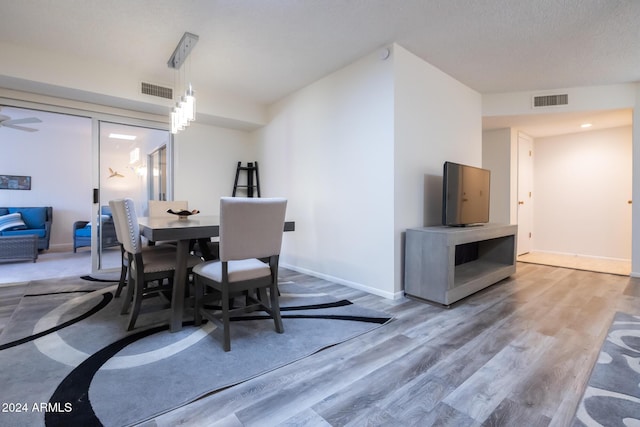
(82, 231)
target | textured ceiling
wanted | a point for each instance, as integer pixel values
(263, 50)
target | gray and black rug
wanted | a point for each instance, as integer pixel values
(66, 359)
(612, 396)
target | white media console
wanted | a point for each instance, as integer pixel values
(446, 264)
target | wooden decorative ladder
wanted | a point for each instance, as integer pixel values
(253, 180)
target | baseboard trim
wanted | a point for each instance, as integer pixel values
(579, 255)
(348, 283)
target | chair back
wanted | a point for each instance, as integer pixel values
(116, 220)
(124, 212)
(251, 227)
(160, 207)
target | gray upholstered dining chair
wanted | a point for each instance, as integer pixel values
(121, 229)
(250, 233)
(147, 269)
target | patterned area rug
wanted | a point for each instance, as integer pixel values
(612, 396)
(66, 359)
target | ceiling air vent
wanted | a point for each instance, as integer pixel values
(155, 90)
(550, 100)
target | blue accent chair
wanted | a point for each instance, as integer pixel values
(82, 231)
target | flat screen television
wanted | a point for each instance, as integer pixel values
(465, 195)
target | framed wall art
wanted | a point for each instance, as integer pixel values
(15, 182)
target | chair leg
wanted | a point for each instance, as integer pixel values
(137, 302)
(226, 344)
(198, 303)
(122, 282)
(275, 309)
(129, 297)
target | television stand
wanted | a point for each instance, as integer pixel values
(445, 264)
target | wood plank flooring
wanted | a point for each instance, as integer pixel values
(518, 353)
(578, 262)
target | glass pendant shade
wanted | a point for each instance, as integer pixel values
(185, 110)
(174, 122)
(190, 106)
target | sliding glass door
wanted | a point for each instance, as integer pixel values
(157, 161)
(132, 163)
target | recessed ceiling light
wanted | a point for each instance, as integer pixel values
(122, 136)
(585, 125)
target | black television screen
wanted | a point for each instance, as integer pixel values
(465, 195)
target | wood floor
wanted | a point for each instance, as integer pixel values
(516, 354)
(579, 262)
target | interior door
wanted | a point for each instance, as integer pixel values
(124, 153)
(525, 193)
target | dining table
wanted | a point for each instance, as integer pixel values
(183, 231)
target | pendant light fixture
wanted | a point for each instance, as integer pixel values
(185, 110)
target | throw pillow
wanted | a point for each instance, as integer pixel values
(33, 217)
(12, 221)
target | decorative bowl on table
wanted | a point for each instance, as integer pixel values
(183, 214)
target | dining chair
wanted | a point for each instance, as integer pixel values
(147, 268)
(250, 239)
(119, 223)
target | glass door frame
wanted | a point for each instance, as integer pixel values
(96, 262)
(162, 180)
(97, 113)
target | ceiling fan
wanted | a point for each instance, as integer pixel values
(6, 121)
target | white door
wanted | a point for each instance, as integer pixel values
(525, 193)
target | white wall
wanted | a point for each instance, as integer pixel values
(205, 159)
(582, 183)
(359, 154)
(116, 85)
(437, 119)
(328, 148)
(58, 159)
(610, 97)
(352, 153)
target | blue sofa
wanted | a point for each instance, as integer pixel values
(37, 220)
